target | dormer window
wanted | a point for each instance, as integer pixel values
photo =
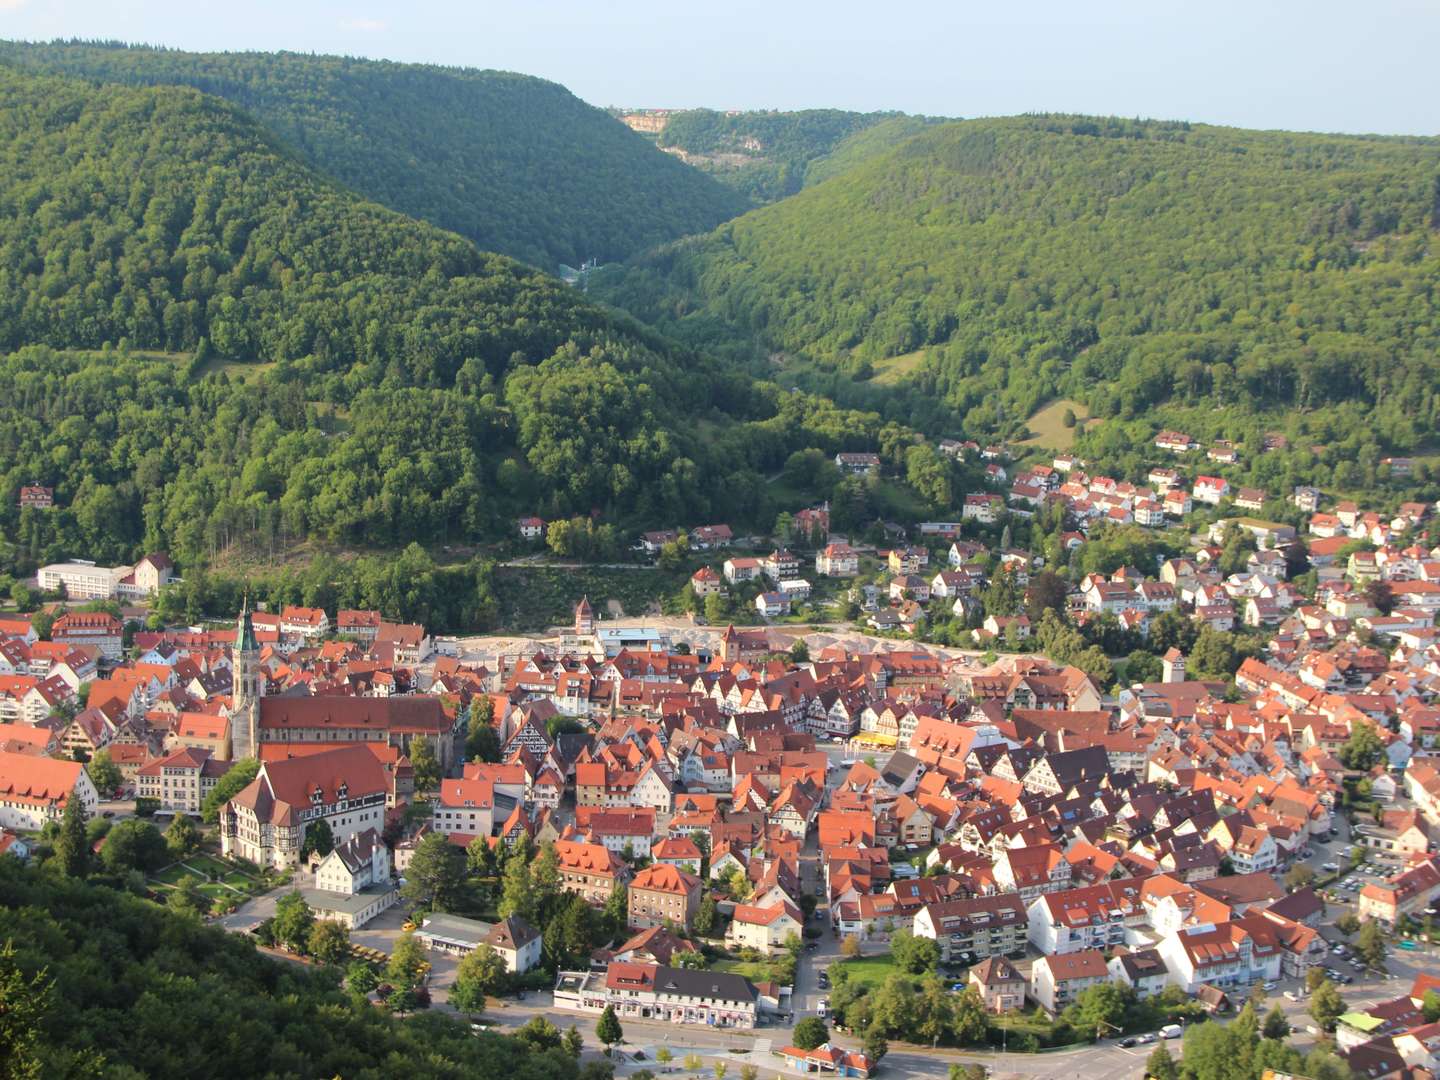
(317, 796)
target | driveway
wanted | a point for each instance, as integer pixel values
(251, 912)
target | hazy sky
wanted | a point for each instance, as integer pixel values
(1331, 65)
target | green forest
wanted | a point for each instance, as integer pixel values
(212, 345)
(1164, 271)
(517, 164)
(97, 983)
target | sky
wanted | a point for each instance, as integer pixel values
(1321, 65)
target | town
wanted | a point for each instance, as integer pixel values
(1141, 788)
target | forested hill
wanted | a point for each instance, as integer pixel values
(255, 357)
(1134, 266)
(768, 155)
(517, 164)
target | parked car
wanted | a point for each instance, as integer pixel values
(1291, 995)
(1128, 1042)
(1171, 1031)
(1270, 987)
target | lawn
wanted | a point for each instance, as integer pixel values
(771, 970)
(895, 368)
(870, 971)
(173, 875)
(208, 864)
(1048, 425)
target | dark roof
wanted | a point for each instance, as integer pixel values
(511, 933)
(707, 985)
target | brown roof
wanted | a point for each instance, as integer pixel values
(416, 713)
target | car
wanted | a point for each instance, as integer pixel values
(811, 946)
(1271, 987)
(1291, 995)
(1346, 980)
(1171, 1031)
(1408, 946)
(824, 1007)
(1338, 950)
(1147, 1038)
(957, 988)
(1332, 867)
(1128, 1042)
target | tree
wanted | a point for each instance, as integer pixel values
(435, 873)
(810, 1033)
(692, 1062)
(293, 921)
(482, 743)
(1370, 945)
(480, 974)
(1430, 1006)
(238, 776)
(540, 1035)
(407, 963)
(1314, 976)
(1380, 594)
(850, 947)
(1160, 1065)
(1276, 1026)
(187, 898)
(1098, 1008)
(361, 977)
(1299, 877)
(182, 837)
(1326, 1004)
(1364, 749)
(1347, 924)
(24, 1003)
(970, 1022)
(517, 897)
(575, 1045)
(912, 954)
(1047, 592)
(874, 1046)
(706, 915)
(72, 846)
(319, 838)
(104, 773)
(329, 942)
(424, 764)
(133, 844)
(608, 1029)
(663, 1055)
(720, 1068)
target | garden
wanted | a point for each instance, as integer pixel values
(225, 885)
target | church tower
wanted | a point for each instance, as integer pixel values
(584, 618)
(246, 689)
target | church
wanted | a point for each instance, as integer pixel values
(261, 724)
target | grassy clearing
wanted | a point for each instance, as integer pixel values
(535, 598)
(870, 971)
(771, 970)
(1048, 425)
(894, 369)
(173, 875)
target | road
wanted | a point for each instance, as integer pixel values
(1105, 1061)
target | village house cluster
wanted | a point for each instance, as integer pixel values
(1068, 835)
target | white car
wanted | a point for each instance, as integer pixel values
(1270, 987)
